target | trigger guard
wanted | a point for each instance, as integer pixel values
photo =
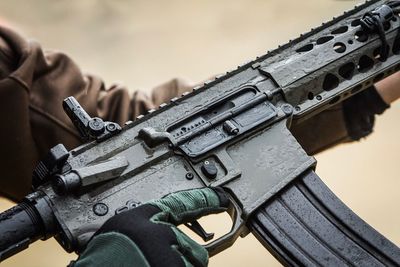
(229, 238)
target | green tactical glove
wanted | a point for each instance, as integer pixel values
(147, 235)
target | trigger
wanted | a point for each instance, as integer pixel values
(199, 230)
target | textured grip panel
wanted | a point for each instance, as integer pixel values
(307, 225)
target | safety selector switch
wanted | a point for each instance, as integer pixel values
(209, 169)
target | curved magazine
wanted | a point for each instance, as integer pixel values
(307, 225)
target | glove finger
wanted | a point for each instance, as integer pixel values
(185, 206)
(192, 253)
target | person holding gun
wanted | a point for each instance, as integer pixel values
(33, 83)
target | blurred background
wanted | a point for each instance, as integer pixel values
(143, 43)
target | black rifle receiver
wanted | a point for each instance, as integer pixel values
(230, 132)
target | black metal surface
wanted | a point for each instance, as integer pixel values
(19, 226)
(89, 128)
(307, 225)
(222, 121)
(238, 122)
(52, 163)
(25, 223)
(209, 169)
(196, 227)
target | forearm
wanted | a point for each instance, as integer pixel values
(389, 88)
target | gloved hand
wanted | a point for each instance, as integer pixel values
(148, 236)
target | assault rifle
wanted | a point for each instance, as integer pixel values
(230, 132)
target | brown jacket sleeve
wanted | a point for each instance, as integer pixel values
(33, 84)
(347, 121)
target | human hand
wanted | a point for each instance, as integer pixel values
(148, 235)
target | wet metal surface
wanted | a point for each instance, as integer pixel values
(145, 43)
